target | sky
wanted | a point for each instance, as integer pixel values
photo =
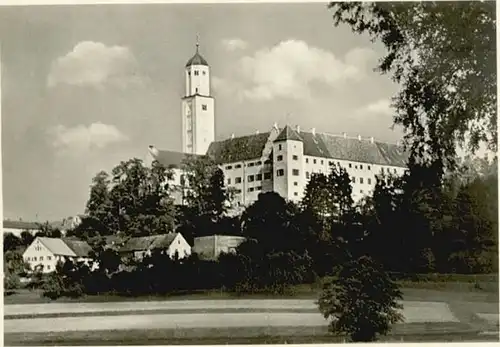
(84, 87)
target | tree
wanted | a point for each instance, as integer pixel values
(140, 199)
(99, 217)
(443, 55)
(361, 302)
(10, 242)
(26, 238)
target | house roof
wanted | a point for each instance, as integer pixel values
(57, 246)
(238, 149)
(288, 134)
(148, 242)
(79, 247)
(315, 144)
(12, 224)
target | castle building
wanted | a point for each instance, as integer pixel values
(281, 160)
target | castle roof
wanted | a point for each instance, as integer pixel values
(288, 134)
(197, 59)
(238, 149)
(315, 144)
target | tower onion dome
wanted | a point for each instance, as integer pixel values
(197, 59)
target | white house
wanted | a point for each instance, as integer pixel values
(44, 253)
(171, 244)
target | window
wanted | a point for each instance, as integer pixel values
(355, 166)
(258, 177)
(395, 171)
(350, 165)
(250, 164)
(251, 178)
(196, 90)
(295, 172)
(361, 167)
(330, 163)
(361, 180)
(204, 107)
(279, 147)
(41, 258)
(361, 191)
(267, 161)
(27, 258)
(307, 174)
(295, 193)
(48, 267)
(196, 73)
(314, 161)
(280, 172)
(34, 258)
(382, 169)
(295, 183)
(229, 167)
(258, 188)
(321, 162)
(237, 180)
(250, 189)
(258, 163)
(295, 157)
(267, 175)
(369, 181)
(279, 158)
(238, 166)
(369, 167)
(238, 191)
(354, 180)
(228, 181)
(204, 73)
(307, 160)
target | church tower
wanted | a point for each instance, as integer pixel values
(198, 113)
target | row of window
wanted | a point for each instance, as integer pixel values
(256, 163)
(251, 178)
(281, 172)
(280, 157)
(39, 258)
(197, 73)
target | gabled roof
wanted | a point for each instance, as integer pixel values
(145, 243)
(79, 247)
(238, 149)
(288, 134)
(57, 246)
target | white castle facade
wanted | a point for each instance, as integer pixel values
(280, 160)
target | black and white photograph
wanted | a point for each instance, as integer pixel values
(245, 173)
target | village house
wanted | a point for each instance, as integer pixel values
(44, 252)
(139, 247)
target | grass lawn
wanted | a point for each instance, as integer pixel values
(217, 336)
(486, 290)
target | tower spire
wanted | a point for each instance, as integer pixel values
(197, 42)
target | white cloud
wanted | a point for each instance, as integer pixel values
(94, 63)
(291, 69)
(82, 138)
(382, 107)
(234, 44)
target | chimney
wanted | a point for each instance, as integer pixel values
(359, 137)
(153, 150)
(345, 135)
(372, 139)
(297, 128)
(232, 136)
(313, 130)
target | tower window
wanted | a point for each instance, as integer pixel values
(361, 180)
(350, 165)
(279, 158)
(295, 157)
(296, 194)
(369, 167)
(204, 73)
(314, 161)
(279, 147)
(295, 172)
(361, 167)
(196, 90)
(204, 107)
(307, 160)
(196, 73)
(280, 172)
(295, 183)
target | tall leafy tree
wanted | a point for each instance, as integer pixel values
(443, 55)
